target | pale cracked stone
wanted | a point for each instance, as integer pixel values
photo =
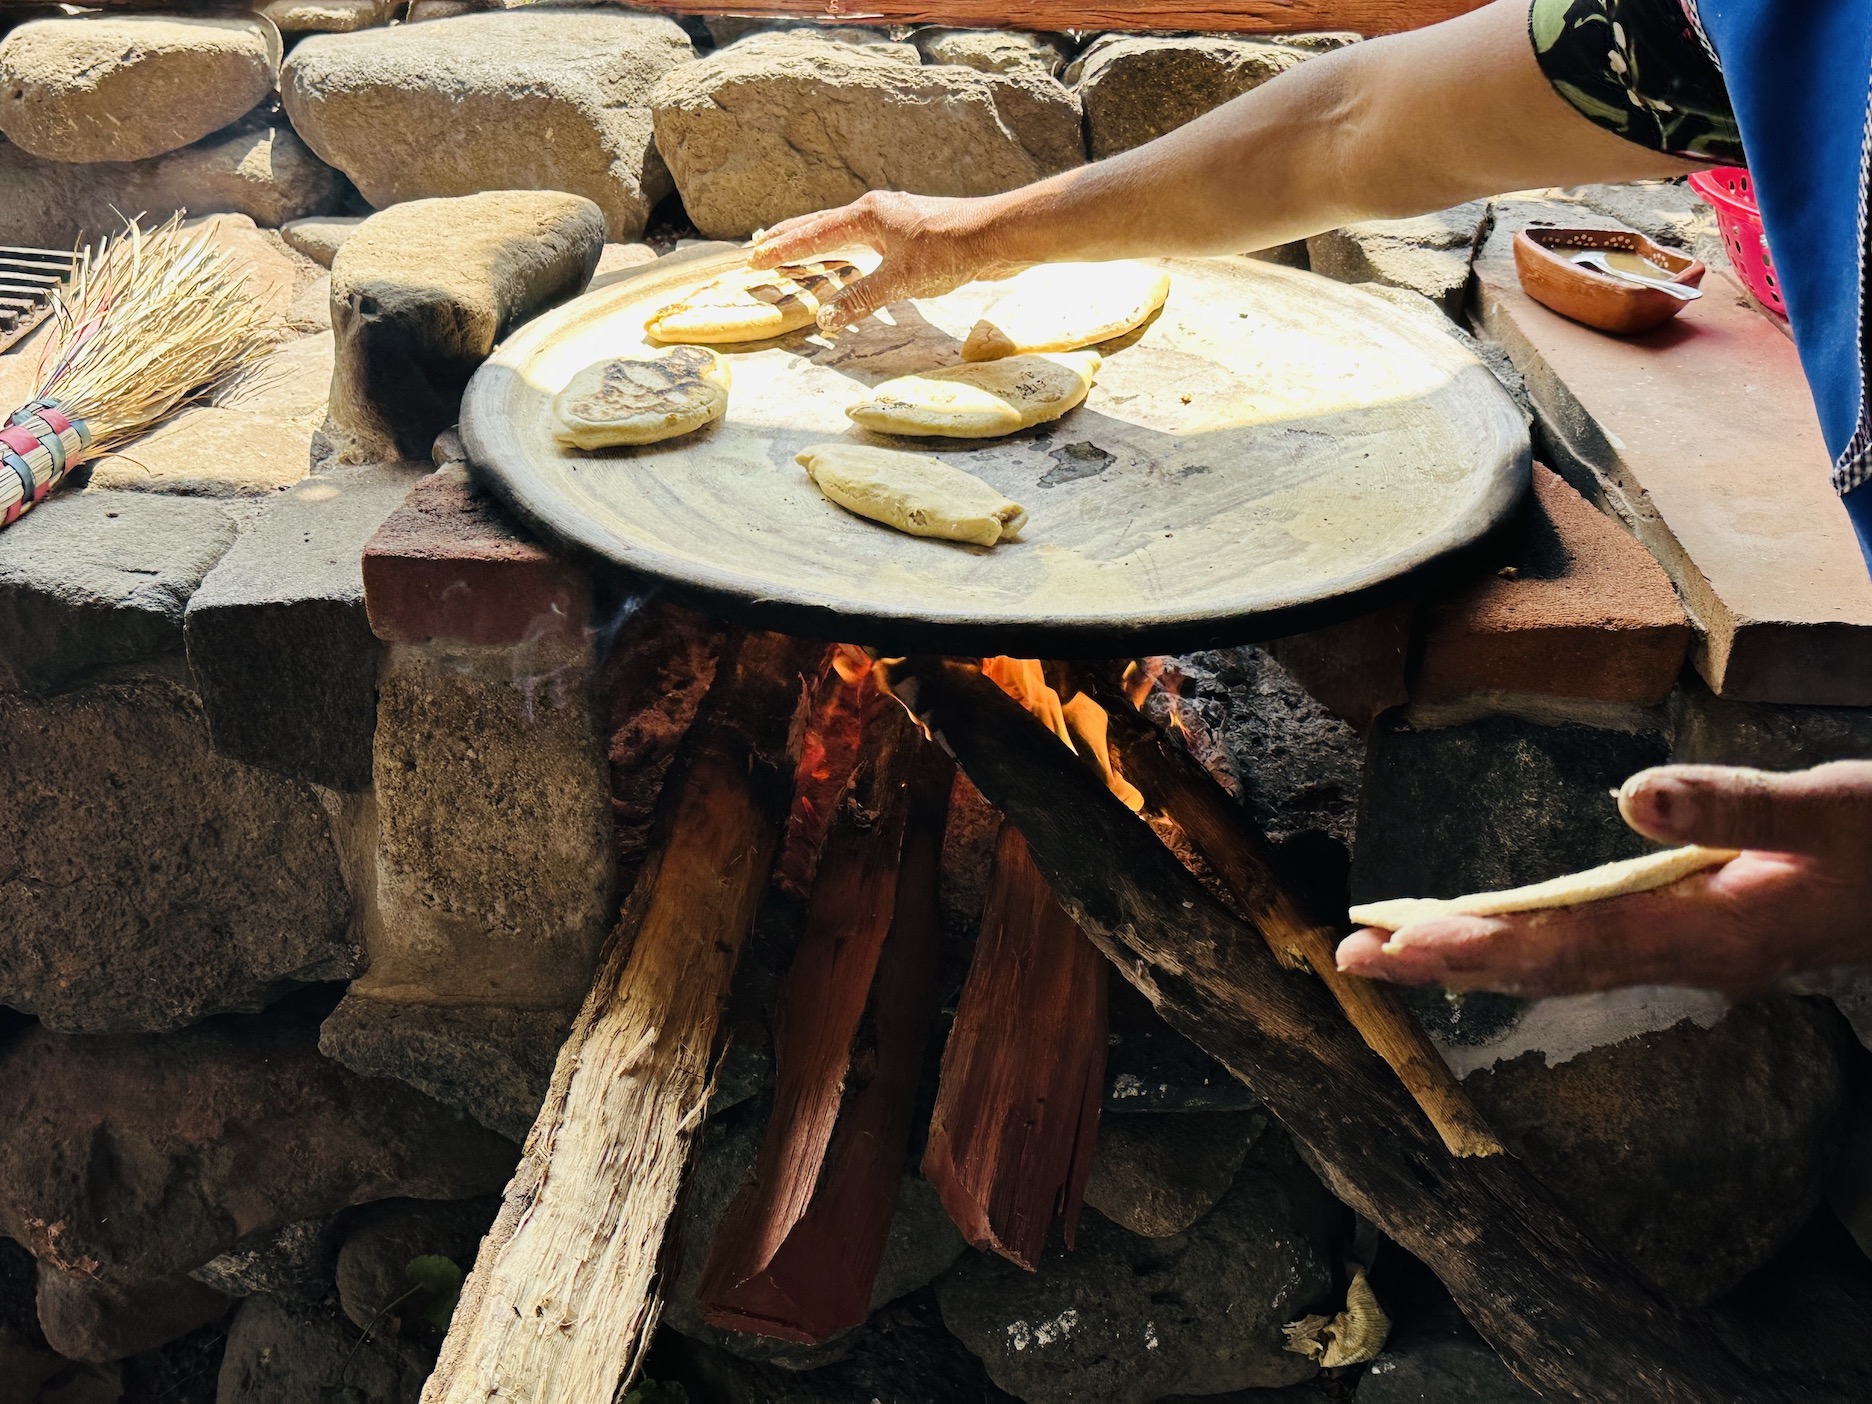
(994, 50)
(152, 882)
(327, 16)
(128, 87)
(541, 99)
(782, 124)
(257, 167)
(319, 237)
(1136, 87)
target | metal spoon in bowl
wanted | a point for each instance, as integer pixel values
(1596, 259)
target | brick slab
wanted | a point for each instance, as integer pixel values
(449, 565)
(1702, 436)
(1585, 612)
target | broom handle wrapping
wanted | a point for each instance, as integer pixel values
(38, 447)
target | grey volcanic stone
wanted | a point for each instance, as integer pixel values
(783, 124)
(294, 1263)
(133, 1158)
(1157, 1175)
(84, 1320)
(284, 1354)
(1438, 1367)
(152, 881)
(257, 167)
(283, 656)
(536, 99)
(1695, 1153)
(1124, 1319)
(381, 1239)
(422, 291)
(492, 1062)
(100, 579)
(1134, 87)
(127, 87)
(1429, 254)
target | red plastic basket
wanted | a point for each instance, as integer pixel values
(1727, 188)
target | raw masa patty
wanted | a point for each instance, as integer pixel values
(979, 401)
(1062, 306)
(913, 492)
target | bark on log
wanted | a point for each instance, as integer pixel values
(1238, 852)
(1235, 16)
(562, 1300)
(1016, 1120)
(1571, 1320)
(797, 1252)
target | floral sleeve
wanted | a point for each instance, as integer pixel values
(1638, 68)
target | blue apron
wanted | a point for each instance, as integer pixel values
(1799, 74)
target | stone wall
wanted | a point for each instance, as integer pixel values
(321, 780)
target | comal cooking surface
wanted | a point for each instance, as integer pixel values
(1270, 453)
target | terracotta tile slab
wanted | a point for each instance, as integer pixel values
(448, 564)
(1585, 612)
(1702, 436)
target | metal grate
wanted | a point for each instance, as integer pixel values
(28, 280)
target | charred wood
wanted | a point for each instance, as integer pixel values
(1570, 1319)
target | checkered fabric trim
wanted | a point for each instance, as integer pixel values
(1854, 467)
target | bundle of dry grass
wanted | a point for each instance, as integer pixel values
(152, 320)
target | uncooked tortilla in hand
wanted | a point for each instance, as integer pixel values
(1063, 306)
(914, 492)
(641, 399)
(980, 401)
(1654, 870)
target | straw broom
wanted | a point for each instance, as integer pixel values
(151, 321)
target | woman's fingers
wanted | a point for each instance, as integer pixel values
(807, 236)
(1736, 929)
(861, 299)
(1806, 811)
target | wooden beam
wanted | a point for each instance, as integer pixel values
(1233, 16)
(562, 1300)
(1569, 1318)
(797, 1252)
(1016, 1120)
(1176, 785)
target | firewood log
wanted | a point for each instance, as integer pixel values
(562, 1300)
(1016, 1119)
(797, 1251)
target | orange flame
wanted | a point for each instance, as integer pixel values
(1080, 722)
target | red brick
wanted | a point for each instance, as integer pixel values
(1355, 670)
(1585, 613)
(448, 564)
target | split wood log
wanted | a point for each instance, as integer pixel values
(797, 1252)
(1569, 1319)
(1175, 784)
(1016, 1120)
(1210, 16)
(562, 1301)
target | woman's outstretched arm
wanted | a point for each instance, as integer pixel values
(1380, 129)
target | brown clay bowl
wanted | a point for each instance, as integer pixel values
(1595, 298)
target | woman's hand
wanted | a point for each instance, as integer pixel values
(1798, 898)
(931, 244)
